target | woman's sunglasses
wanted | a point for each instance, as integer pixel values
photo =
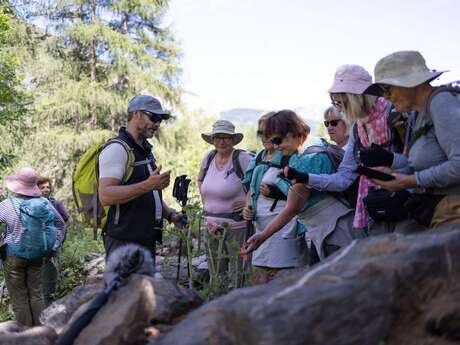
(277, 140)
(259, 133)
(332, 123)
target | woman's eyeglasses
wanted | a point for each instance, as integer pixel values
(332, 123)
(155, 118)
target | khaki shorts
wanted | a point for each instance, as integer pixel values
(447, 211)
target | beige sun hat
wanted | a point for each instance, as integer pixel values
(404, 68)
(222, 127)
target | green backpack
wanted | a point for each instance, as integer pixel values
(85, 184)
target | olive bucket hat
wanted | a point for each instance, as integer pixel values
(404, 68)
(222, 127)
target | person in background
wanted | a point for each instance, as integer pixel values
(434, 146)
(223, 197)
(46, 188)
(24, 276)
(51, 266)
(337, 126)
(286, 248)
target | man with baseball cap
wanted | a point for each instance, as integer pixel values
(137, 209)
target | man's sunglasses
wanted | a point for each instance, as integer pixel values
(277, 140)
(155, 118)
(333, 123)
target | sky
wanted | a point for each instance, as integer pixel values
(274, 54)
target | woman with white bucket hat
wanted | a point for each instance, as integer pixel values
(434, 146)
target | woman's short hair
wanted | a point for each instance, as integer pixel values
(284, 122)
(333, 111)
(355, 106)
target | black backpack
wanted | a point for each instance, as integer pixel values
(237, 169)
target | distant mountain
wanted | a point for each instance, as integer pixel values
(244, 117)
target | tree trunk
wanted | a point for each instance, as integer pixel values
(93, 61)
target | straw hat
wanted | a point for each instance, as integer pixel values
(222, 127)
(24, 182)
(403, 68)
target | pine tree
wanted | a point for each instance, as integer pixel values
(12, 102)
(100, 54)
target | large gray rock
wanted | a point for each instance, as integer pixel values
(172, 301)
(381, 290)
(124, 317)
(13, 333)
(59, 312)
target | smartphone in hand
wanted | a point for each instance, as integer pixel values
(372, 173)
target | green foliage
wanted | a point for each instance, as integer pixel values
(12, 98)
(105, 52)
(5, 315)
(55, 152)
(78, 244)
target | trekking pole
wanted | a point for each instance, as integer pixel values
(249, 232)
(180, 191)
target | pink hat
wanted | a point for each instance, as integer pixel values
(24, 182)
(351, 79)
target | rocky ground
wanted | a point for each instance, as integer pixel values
(384, 290)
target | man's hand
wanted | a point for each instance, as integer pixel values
(179, 220)
(157, 181)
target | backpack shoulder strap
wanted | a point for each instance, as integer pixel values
(130, 163)
(452, 89)
(237, 164)
(260, 157)
(211, 156)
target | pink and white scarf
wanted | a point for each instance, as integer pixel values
(373, 129)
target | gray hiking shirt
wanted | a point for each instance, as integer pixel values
(435, 156)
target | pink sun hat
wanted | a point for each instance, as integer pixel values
(24, 182)
(351, 79)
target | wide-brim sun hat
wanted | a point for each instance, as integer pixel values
(350, 79)
(24, 182)
(222, 127)
(403, 68)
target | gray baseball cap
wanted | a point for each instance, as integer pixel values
(147, 103)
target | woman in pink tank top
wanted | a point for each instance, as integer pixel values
(223, 198)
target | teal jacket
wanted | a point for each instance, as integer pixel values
(312, 163)
(253, 178)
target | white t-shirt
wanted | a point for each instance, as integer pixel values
(112, 164)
